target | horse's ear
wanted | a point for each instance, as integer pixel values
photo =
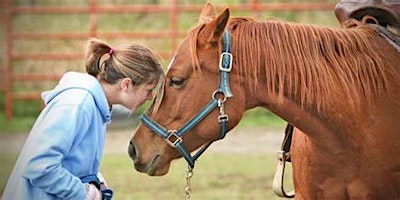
(212, 32)
(207, 14)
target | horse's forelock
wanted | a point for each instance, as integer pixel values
(193, 48)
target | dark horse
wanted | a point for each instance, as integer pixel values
(339, 87)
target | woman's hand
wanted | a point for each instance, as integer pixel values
(103, 182)
(92, 193)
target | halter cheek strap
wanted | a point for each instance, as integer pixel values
(225, 66)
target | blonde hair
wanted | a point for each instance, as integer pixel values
(134, 61)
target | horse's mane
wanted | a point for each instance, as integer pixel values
(316, 63)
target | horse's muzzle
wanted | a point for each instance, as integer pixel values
(149, 168)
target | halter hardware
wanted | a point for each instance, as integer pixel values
(173, 139)
(225, 60)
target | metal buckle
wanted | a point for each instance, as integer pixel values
(283, 156)
(223, 118)
(173, 138)
(221, 60)
(220, 100)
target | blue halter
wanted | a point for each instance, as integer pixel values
(174, 137)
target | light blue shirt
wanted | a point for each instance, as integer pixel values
(65, 143)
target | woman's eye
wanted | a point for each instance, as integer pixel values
(176, 82)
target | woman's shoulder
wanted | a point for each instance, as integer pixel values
(76, 96)
(74, 88)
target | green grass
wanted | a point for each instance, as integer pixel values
(216, 176)
(7, 164)
(261, 117)
(16, 124)
(24, 116)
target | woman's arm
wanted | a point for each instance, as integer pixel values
(50, 142)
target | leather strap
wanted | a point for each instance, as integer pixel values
(283, 157)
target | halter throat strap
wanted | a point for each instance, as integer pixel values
(174, 137)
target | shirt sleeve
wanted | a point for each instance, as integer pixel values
(50, 140)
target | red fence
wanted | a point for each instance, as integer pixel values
(92, 9)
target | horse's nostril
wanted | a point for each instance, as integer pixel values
(132, 151)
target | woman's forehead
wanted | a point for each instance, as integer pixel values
(151, 85)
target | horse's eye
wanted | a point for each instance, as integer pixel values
(176, 82)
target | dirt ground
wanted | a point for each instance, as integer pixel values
(238, 141)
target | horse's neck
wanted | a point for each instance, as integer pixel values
(309, 120)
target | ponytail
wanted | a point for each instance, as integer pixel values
(94, 51)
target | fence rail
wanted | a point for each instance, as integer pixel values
(92, 9)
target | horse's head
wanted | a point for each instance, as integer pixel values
(192, 78)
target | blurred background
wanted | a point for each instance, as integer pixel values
(42, 39)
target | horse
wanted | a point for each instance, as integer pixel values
(340, 88)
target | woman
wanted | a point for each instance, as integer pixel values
(66, 143)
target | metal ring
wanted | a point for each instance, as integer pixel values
(215, 93)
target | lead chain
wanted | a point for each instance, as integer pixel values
(188, 190)
(221, 107)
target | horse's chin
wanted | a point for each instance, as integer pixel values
(154, 168)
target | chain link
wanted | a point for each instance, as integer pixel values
(188, 190)
(221, 107)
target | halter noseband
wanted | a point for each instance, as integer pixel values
(174, 137)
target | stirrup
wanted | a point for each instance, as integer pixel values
(277, 184)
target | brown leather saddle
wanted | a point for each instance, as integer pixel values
(386, 12)
(382, 15)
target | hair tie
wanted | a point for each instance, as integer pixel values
(111, 52)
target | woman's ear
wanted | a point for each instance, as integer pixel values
(125, 84)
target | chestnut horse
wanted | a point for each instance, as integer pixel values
(339, 87)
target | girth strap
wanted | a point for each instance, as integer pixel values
(283, 157)
(287, 142)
